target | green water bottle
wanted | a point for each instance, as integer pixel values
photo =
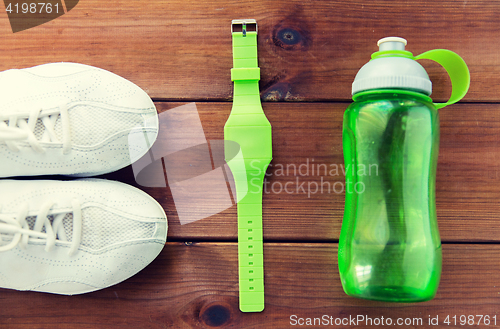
(389, 247)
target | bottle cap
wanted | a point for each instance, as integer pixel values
(392, 67)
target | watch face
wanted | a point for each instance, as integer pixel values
(255, 141)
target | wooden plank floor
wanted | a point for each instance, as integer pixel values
(195, 285)
(180, 52)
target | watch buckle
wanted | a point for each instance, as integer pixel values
(244, 25)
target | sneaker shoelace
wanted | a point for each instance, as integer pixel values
(21, 128)
(54, 230)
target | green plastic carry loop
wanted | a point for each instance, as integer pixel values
(457, 70)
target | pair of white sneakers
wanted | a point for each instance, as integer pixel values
(78, 236)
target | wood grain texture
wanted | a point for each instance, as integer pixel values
(195, 286)
(308, 51)
(307, 136)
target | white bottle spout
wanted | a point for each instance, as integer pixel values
(391, 43)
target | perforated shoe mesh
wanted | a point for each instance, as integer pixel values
(102, 228)
(39, 129)
(92, 125)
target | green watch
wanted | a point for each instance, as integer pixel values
(248, 126)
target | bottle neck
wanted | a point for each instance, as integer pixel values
(390, 93)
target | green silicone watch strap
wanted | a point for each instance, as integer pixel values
(248, 126)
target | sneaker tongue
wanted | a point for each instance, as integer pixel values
(67, 225)
(40, 129)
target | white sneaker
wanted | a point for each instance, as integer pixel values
(73, 237)
(72, 119)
